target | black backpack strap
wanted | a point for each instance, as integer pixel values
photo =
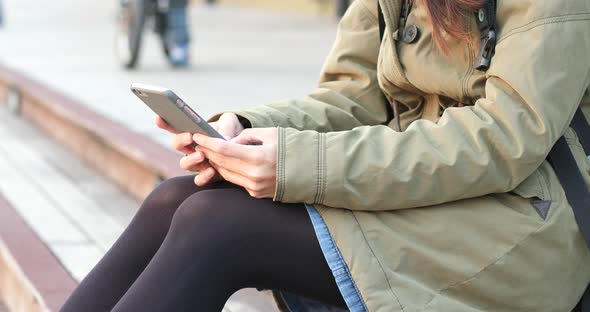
(584, 304)
(571, 179)
(569, 174)
(580, 125)
(566, 168)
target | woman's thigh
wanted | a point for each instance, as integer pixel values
(226, 236)
(127, 258)
(160, 205)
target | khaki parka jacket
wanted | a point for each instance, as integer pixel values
(457, 210)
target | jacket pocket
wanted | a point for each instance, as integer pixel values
(535, 189)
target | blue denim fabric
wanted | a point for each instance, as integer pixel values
(177, 26)
(177, 36)
(339, 268)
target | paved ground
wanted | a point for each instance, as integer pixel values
(75, 211)
(241, 57)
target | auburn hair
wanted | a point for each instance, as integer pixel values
(449, 16)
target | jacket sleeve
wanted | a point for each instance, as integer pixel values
(533, 88)
(348, 94)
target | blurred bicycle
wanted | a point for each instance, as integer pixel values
(167, 18)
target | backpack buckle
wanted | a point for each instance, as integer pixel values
(487, 50)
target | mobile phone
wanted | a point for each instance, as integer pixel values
(173, 110)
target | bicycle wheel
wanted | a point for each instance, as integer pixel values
(130, 23)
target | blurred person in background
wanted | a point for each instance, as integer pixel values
(177, 32)
(169, 20)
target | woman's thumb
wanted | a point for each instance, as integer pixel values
(246, 138)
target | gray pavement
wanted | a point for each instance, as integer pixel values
(241, 57)
(75, 211)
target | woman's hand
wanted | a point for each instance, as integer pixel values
(228, 126)
(250, 166)
(181, 142)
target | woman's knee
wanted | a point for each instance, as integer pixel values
(168, 195)
(214, 214)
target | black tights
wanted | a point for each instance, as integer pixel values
(190, 248)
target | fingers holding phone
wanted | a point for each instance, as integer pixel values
(194, 162)
(181, 142)
(228, 126)
(198, 162)
(206, 176)
(176, 117)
